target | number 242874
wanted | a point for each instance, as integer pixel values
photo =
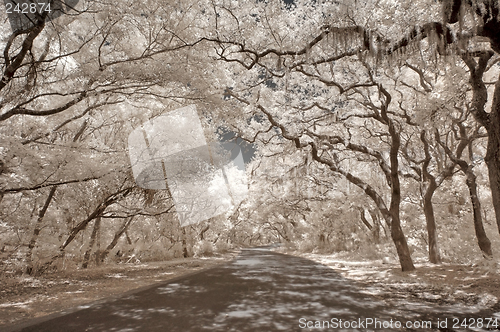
(28, 8)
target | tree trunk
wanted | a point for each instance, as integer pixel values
(397, 234)
(391, 216)
(111, 199)
(364, 220)
(493, 165)
(490, 121)
(434, 255)
(36, 231)
(203, 231)
(399, 240)
(185, 253)
(482, 239)
(93, 236)
(376, 226)
(98, 245)
(18, 60)
(117, 236)
(127, 236)
(492, 158)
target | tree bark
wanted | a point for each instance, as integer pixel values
(12, 66)
(376, 226)
(127, 236)
(117, 236)
(98, 211)
(482, 239)
(434, 255)
(490, 121)
(397, 234)
(36, 231)
(98, 246)
(364, 220)
(185, 253)
(492, 157)
(111, 199)
(93, 236)
(203, 231)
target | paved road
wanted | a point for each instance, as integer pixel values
(259, 291)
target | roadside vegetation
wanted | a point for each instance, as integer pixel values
(374, 126)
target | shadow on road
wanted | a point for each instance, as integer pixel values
(259, 291)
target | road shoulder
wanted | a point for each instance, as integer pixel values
(25, 298)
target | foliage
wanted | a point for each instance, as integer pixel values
(355, 108)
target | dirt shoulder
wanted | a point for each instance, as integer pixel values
(23, 297)
(445, 285)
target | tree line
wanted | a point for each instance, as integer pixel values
(374, 95)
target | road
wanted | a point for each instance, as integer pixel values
(259, 291)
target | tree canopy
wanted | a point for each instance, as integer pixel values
(368, 118)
